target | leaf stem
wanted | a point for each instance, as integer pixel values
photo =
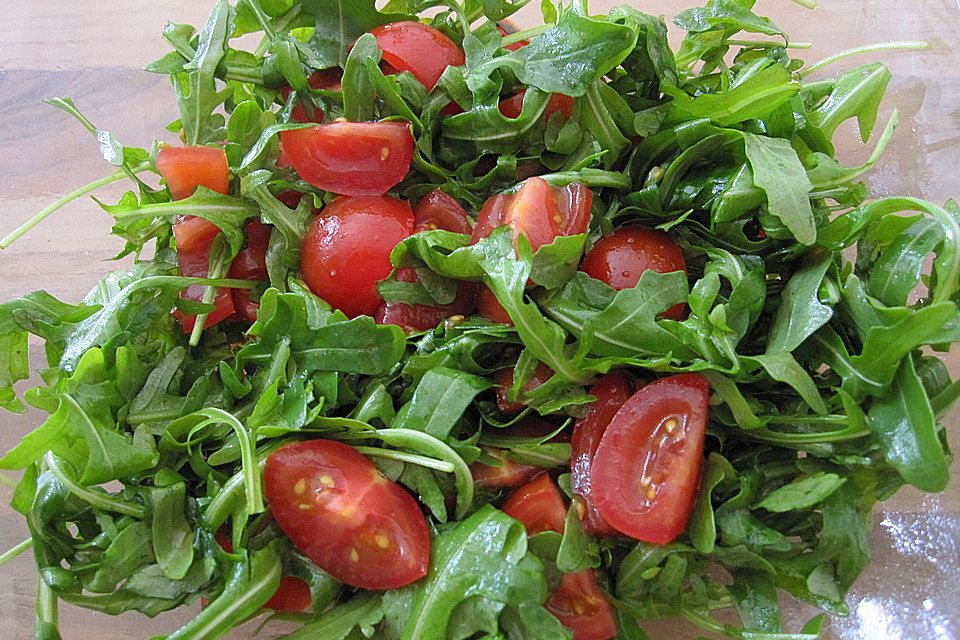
(526, 34)
(806, 4)
(100, 500)
(12, 553)
(911, 45)
(769, 44)
(46, 607)
(261, 18)
(115, 176)
(412, 458)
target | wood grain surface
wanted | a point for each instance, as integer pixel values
(93, 50)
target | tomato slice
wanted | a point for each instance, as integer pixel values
(620, 258)
(293, 594)
(612, 391)
(357, 525)
(194, 234)
(438, 210)
(508, 474)
(351, 158)
(647, 467)
(512, 107)
(580, 605)
(186, 168)
(346, 250)
(250, 262)
(418, 48)
(538, 505)
(504, 381)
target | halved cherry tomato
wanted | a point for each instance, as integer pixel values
(647, 467)
(351, 158)
(508, 474)
(504, 381)
(621, 258)
(357, 525)
(346, 250)
(420, 49)
(438, 210)
(250, 264)
(512, 107)
(514, 46)
(612, 391)
(327, 79)
(293, 594)
(580, 605)
(186, 168)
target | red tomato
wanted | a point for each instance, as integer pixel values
(512, 107)
(196, 264)
(194, 234)
(516, 45)
(421, 317)
(504, 381)
(612, 391)
(420, 49)
(508, 474)
(289, 197)
(250, 264)
(186, 168)
(437, 210)
(538, 505)
(490, 308)
(351, 158)
(328, 79)
(293, 594)
(620, 258)
(357, 525)
(645, 473)
(346, 250)
(580, 605)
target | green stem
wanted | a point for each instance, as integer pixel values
(218, 266)
(224, 503)
(261, 18)
(116, 176)
(526, 34)
(412, 458)
(10, 554)
(769, 44)
(870, 48)
(100, 500)
(46, 607)
(806, 4)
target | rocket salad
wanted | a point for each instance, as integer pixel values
(436, 330)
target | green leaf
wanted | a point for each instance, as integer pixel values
(752, 99)
(730, 15)
(578, 551)
(777, 171)
(856, 94)
(358, 91)
(800, 312)
(803, 493)
(338, 23)
(14, 366)
(702, 527)
(897, 271)
(439, 401)
(755, 597)
(363, 612)
(171, 533)
(783, 367)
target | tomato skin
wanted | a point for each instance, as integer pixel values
(418, 48)
(334, 505)
(250, 264)
(351, 158)
(621, 258)
(504, 381)
(194, 234)
(647, 467)
(186, 168)
(612, 391)
(293, 594)
(196, 264)
(346, 250)
(328, 79)
(438, 210)
(580, 605)
(508, 474)
(538, 505)
(512, 107)
(490, 308)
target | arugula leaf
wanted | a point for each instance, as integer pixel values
(777, 171)
(803, 493)
(856, 94)
(439, 400)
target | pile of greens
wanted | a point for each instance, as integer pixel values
(826, 399)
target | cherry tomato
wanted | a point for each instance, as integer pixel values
(351, 158)
(612, 391)
(508, 474)
(346, 250)
(490, 308)
(504, 381)
(438, 210)
(620, 258)
(328, 79)
(645, 473)
(421, 317)
(250, 264)
(293, 594)
(516, 45)
(357, 525)
(538, 505)
(512, 107)
(196, 263)
(194, 234)
(580, 605)
(186, 168)
(420, 49)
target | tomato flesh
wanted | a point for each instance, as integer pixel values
(438, 210)
(357, 525)
(512, 107)
(418, 48)
(186, 168)
(504, 381)
(508, 474)
(580, 605)
(250, 264)
(538, 505)
(351, 158)
(621, 258)
(195, 264)
(490, 308)
(346, 250)
(645, 473)
(612, 391)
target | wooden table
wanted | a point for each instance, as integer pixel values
(93, 51)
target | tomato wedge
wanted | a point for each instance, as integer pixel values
(620, 258)
(612, 391)
(195, 263)
(512, 107)
(346, 250)
(578, 603)
(647, 467)
(250, 264)
(508, 474)
(418, 48)
(293, 594)
(504, 381)
(351, 158)
(438, 210)
(357, 525)
(186, 168)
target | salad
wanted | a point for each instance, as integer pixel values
(438, 329)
